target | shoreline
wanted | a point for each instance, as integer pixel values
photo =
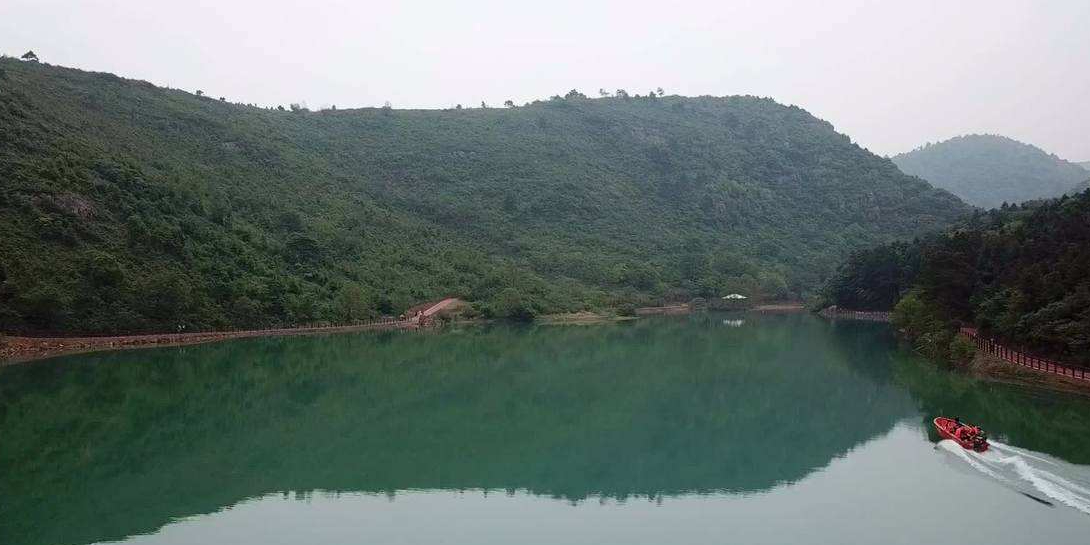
(785, 308)
(683, 308)
(993, 369)
(847, 314)
(15, 350)
(686, 308)
(582, 318)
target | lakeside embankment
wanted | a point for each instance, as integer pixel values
(994, 361)
(873, 315)
(587, 317)
(18, 349)
(21, 349)
(685, 308)
(584, 317)
(995, 369)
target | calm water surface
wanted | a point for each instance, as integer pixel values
(710, 428)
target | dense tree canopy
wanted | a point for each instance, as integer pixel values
(127, 207)
(988, 170)
(1020, 273)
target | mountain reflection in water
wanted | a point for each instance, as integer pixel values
(100, 447)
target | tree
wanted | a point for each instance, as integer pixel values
(509, 103)
(249, 261)
(483, 105)
(603, 93)
(44, 306)
(30, 56)
(352, 303)
(103, 271)
(660, 91)
(302, 251)
(513, 305)
(574, 94)
(199, 93)
(621, 93)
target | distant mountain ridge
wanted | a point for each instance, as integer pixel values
(129, 207)
(987, 170)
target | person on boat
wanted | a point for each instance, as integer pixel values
(965, 433)
(955, 429)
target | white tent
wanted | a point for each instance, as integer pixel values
(735, 296)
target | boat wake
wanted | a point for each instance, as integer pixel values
(1039, 476)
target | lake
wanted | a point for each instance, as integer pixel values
(706, 428)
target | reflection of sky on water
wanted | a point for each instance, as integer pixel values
(879, 492)
(691, 410)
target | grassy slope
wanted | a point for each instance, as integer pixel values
(988, 170)
(126, 206)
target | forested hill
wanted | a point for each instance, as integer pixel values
(1021, 273)
(124, 206)
(1085, 185)
(987, 170)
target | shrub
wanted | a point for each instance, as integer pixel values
(935, 344)
(513, 305)
(352, 303)
(931, 334)
(961, 350)
(911, 316)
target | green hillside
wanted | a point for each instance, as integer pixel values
(127, 207)
(987, 170)
(1020, 273)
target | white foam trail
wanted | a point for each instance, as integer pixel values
(997, 446)
(1062, 482)
(960, 452)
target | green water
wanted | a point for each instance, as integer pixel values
(696, 429)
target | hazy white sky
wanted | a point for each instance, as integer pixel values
(892, 75)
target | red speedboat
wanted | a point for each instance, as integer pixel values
(968, 436)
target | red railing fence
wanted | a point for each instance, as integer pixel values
(989, 346)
